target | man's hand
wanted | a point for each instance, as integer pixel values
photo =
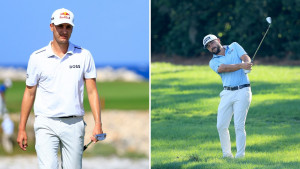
(27, 102)
(246, 65)
(97, 130)
(22, 139)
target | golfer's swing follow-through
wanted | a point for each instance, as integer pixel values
(232, 63)
(269, 20)
(56, 75)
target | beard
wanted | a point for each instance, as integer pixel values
(217, 51)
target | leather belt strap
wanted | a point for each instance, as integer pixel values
(236, 87)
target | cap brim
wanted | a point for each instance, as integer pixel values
(58, 23)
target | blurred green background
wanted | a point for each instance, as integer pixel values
(116, 95)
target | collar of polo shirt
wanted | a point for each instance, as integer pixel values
(50, 52)
(226, 49)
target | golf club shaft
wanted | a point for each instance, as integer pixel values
(260, 44)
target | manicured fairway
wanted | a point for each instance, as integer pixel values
(116, 95)
(184, 101)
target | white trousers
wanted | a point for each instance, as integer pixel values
(233, 103)
(65, 133)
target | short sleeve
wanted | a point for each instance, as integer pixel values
(214, 64)
(239, 49)
(89, 67)
(32, 72)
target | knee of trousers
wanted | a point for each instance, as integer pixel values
(221, 127)
(239, 127)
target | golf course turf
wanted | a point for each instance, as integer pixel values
(184, 102)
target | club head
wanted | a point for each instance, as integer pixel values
(100, 136)
(269, 20)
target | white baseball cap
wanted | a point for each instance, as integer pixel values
(62, 16)
(208, 38)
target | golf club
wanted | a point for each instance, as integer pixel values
(99, 137)
(269, 20)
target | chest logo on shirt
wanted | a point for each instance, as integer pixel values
(230, 51)
(74, 66)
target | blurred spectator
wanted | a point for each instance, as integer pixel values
(8, 131)
(3, 87)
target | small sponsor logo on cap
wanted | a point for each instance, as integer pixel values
(65, 15)
(206, 39)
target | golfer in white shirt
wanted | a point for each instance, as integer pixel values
(56, 75)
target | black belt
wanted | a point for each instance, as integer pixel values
(64, 117)
(236, 87)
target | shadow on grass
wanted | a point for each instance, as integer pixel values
(172, 165)
(189, 93)
(231, 163)
(183, 130)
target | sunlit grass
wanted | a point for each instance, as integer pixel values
(184, 102)
(116, 95)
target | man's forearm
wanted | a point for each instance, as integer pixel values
(95, 106)
(246, 64)
(229, 68)
(245, 58)
(94, 99)
(26, 107)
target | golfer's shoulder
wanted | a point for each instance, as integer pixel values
(78, 48)
(81, 50)
(40, 51)
(233, 45)
(86, 53)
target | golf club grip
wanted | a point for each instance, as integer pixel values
(84, 147)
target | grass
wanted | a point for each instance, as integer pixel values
(184, 101)
(116, 95)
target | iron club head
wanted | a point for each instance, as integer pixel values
(100, 136)
(269, 20)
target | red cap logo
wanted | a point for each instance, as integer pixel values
(65, 15)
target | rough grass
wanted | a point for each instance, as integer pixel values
(184, 101)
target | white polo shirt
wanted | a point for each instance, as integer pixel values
(60, 81)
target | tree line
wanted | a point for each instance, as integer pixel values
(178, 26)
